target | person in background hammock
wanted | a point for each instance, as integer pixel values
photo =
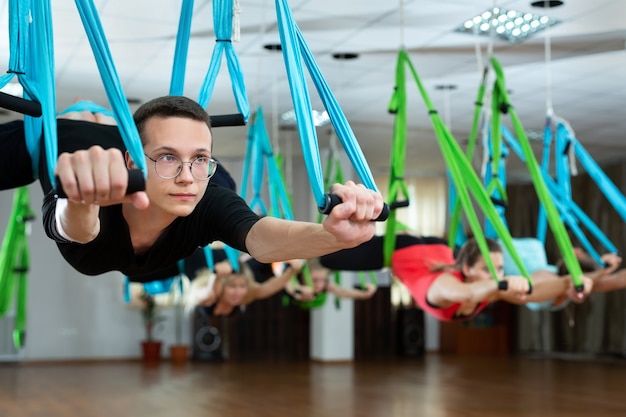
(222, 291)
(605, 278)
(99, 229)
(321, 284)
(533, 255)
(450, 288)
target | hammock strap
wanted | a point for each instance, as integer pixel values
(295, 50)
(456, 234)
(223, 24)
(466, 181)
(557, 227)
(179, 63)
(397, 188)
(111, 81)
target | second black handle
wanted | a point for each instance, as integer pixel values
(331, 200)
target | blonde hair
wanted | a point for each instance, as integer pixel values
(246, 273)
(315, 263)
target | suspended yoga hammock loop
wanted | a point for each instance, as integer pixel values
(111, 81)
(557, 227)
(295, 50)
(31, 59)
(179, 64)
(223, 24)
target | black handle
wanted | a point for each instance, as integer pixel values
(136, 182)
(504, 285)
(399, 204)
(331, 200)
(20, 105)
(222, 120)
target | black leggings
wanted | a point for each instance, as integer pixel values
(369, 255)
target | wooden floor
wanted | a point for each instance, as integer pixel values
(433, 386)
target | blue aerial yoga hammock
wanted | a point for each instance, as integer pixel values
(295, 50)
(111, 81)
(260, 155)
(31, 59)
(566, 148)
(223, 25)
(570, 213)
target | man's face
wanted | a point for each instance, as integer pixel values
(186, 139)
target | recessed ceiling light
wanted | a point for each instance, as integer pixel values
(511, 25)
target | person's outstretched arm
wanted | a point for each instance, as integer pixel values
(348, 225)
(548, 286)
(447, 290)
(277, 283)
(354, 293)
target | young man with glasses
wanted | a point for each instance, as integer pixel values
(99, 229)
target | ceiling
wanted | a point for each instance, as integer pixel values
(584, 77)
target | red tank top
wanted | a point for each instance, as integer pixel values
(413, 267)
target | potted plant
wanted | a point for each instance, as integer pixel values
(151, 348)
(179, 352)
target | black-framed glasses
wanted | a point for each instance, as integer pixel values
(170, 166)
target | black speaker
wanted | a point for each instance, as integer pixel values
(411, 341)
(207, 339)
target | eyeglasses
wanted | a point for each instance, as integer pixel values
(170, 166)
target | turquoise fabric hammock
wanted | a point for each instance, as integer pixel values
(223, 24)
(295, 50)
(14, 264)
(466, 181)
(111, 82)
(259, 158)
(31, 59)
(566, 148)
(570, 213)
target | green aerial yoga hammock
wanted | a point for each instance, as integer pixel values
(501, 102)
(14, 264)
(462, 174)
(455, 233)
(397, 184)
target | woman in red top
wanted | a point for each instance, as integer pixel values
(449, 288)
(456, 289)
